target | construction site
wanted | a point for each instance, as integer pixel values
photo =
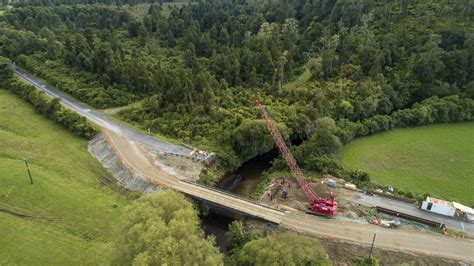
(343, 216)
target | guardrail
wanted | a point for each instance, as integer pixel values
(231, 195)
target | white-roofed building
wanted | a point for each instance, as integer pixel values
(438, 206)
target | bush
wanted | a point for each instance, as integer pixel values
(6, 72)
(283, 249)
(367, 262)
(400, 192)
(359, 177)
(420, 198)
(53, 109)
(236, 235)
(163, 229)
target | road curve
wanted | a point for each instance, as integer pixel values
(128, 145)
(101, 120)
(396, 239)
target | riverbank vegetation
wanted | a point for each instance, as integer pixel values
(164, 228)
(251, 247)
(327, 71)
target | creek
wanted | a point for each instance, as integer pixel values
(243, 182)
(245, 179)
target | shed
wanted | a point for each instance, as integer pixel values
(438, 206)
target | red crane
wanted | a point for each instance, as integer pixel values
(324, 206)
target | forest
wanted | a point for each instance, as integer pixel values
(327, 71)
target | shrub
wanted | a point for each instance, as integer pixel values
(53, 109)
(366, 262)
(283, 249)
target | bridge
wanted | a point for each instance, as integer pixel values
(129, 146)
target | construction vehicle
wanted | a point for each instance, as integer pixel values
(320, 206)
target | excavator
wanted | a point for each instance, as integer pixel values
(320, 206)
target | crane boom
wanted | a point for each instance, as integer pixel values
(325, 206)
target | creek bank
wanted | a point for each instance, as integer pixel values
(245, 179)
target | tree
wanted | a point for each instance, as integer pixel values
(428, 66)
(252, 138)
(323, 141)
(283, 249)
(6, 71)
(330, 59)
(163, 228)
(236, 235)
(316, 67)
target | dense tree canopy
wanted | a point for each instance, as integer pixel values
(6, 71)
(197, 68)
(163, 229)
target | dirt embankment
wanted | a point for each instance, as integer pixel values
(101, 150)
(181, 167)
(343, 253)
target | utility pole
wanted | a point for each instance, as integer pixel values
(25, 160)
(372, 247)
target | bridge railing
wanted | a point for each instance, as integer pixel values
(231, 195)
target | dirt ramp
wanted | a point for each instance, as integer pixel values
(103, 152)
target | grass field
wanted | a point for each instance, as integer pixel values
(70, 215)
(438, 159)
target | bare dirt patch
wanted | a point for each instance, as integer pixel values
(127, 178)
(296, 199)
(181, 167)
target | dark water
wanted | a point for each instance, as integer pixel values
(243, 182)
(217, 224)
(246, 178)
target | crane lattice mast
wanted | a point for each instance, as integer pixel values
(324, 206)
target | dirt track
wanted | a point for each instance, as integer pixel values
(412, 241)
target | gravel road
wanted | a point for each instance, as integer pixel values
(411, 209)
(103, 121)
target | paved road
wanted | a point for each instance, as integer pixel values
(101, 120)
(128, 145)
(411, 209)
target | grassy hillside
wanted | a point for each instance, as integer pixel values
(68, 213)
(438, 159)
